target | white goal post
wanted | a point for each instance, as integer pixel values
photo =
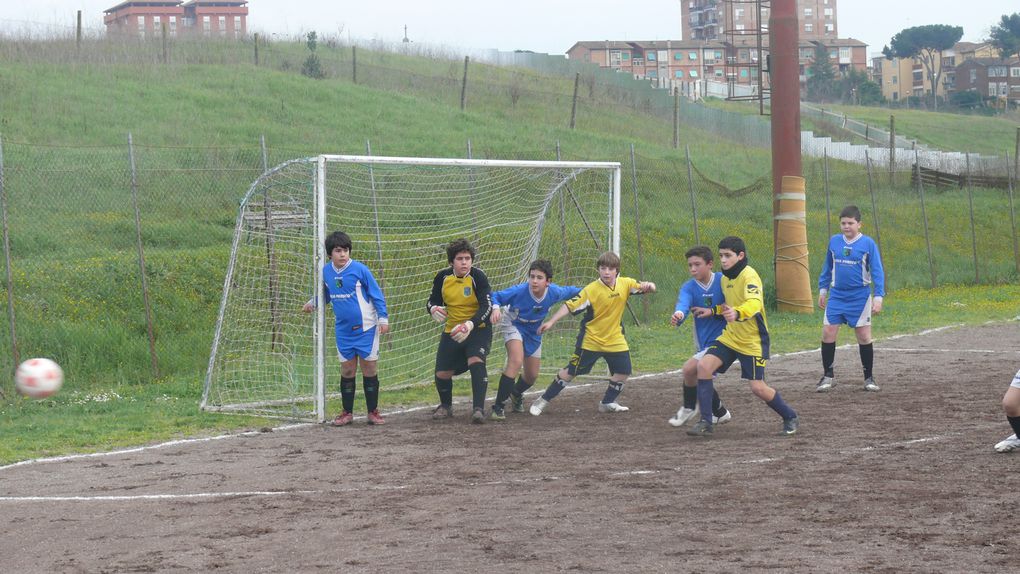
(270, 359)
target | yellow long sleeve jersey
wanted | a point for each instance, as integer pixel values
(749, 334)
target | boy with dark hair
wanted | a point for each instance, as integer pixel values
(460, 300)
(852, 266)
(361, 317)
(603, 302)
(1011, 404)
(745, 338)
(522, 309)
(702, 291)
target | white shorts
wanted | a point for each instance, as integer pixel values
(532, 344)
(1016, 380)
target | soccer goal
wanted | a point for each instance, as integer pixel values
(268, 358)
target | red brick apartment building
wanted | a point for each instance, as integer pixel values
(224, 18)
(991, 77)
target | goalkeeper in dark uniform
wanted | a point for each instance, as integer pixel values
(461, 300)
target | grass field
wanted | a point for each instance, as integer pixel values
(196, 127)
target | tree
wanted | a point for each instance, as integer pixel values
(856, 88)
(821, 76)
(927, 43)
(312, 67)
(1005, 36)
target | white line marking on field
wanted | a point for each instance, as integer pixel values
(106, 498)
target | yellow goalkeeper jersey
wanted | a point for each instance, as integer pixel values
(749, 334)
(603, 306)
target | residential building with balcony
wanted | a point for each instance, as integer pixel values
(991, 77)
(711, 19)
(222, 18)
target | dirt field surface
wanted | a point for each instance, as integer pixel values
(902, 480)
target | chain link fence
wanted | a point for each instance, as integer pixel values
(128, 295)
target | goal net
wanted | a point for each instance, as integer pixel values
(270, 359)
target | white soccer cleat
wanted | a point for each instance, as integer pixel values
(682, 416)
(1009, 444)
(612, 408)
(723, 419)
(538, 406)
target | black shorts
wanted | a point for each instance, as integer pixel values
(453, 356)
(752, 368)
(583, 360)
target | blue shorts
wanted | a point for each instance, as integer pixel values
(752, 368)
(848, 309)
(527, 334)
(364, 344)
(583, 360)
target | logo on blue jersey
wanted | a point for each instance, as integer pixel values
(707, 300)
(467, 291)
(847, 250)
(339, 282)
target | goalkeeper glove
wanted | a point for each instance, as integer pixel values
(460, 332)
(438, 313)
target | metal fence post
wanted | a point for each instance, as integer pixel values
(276, 336)
(828, 209)
(141, 259)
(1012, 214)
(690, 188)
(924, 217)
(637, 229)
(973, 229)
(874, 205)
(7, 259)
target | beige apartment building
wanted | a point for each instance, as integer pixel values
(901, 78)
(715, 19)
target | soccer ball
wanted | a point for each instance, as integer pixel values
(38, 378)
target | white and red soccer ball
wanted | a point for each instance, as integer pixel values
(38, 378)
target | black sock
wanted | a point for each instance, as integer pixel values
(867, 358)
(506, 386)
(521, 386)
(1015, 423)
(717, 409)
(445, 389)
(479, 384)
(371, 385)
(347, 389)
(690, 397)
(828, 357)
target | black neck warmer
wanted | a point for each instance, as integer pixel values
(732, 272)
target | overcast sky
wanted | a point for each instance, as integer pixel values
(541, 25)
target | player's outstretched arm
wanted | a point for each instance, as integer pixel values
(560, 313)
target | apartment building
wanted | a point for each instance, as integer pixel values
(223, 18)
(712, 19)
(991, 77)
(901, 78)
(669, 62)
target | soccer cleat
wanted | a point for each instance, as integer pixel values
(497, 414)
(442, 412)
(374, 418)
(870, 385)
(518, 403)
(478, 417)
(790, 426)
(612, 408)
(723, 419)
(1009, 444)
(701, 428)
(682, 416)
(538, 406)
(825, 384)
(343, 419)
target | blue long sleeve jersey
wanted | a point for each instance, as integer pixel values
(852, 266)
(694, 294)
(523, 309)
(356, 298)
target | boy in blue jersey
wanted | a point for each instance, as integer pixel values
(852, 266)
(361, 317)
(745, 338)
(702, 291)
(522, 309)
(603, 302)
(461, 300)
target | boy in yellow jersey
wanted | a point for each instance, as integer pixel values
(745, 338)
(461, 300)
(603, 302)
